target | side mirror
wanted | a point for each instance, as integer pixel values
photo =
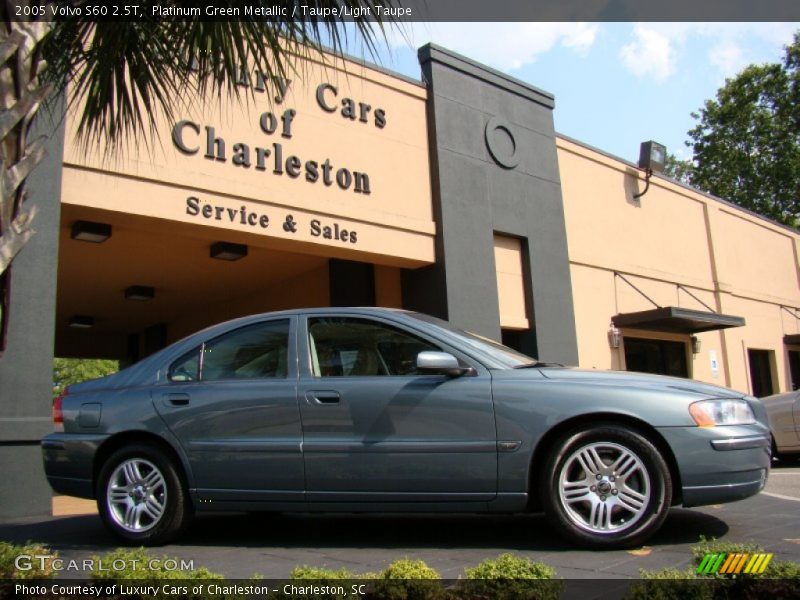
(441, 363)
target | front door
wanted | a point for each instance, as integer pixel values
(376, 429)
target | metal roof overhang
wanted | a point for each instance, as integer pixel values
(792, 339)
(677, 320)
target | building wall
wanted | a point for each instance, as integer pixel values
(680, 248)
(494, 172)
(218, 169)
(26, 366)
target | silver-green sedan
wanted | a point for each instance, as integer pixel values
(384, 410)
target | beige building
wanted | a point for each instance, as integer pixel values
(676, 247)
(350, 185)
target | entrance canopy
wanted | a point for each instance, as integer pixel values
(674, 319)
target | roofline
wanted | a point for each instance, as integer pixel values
(363, 62)
(685, 186)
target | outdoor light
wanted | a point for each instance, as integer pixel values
(81, 322)
(88, 231)
(614, 336)
(228, 251)
(652, 158)
(140, 292)
(696, 344)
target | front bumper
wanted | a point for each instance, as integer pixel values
(720, 464)
(69, 462)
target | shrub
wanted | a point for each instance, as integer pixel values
(320, 573)
(715, 546)
(407, 579)
(670, 584)
(326, 577)
(782, 569)
(778, 580)
(510, 577)
(40, 568)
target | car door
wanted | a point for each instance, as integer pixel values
(375, 429)
(796, 415)
(232, 404)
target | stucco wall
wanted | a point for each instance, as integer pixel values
(680, 248)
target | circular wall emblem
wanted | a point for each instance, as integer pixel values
(501, 143)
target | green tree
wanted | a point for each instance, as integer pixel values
(122, 72)
(679, 170)
(67, 371)
(747, 142)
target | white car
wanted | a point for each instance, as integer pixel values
(784, 422)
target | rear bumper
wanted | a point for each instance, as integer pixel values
(720, 464)
(69, 462)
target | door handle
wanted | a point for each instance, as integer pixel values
(323, 397)
(178, 399)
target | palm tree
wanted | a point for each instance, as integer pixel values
(120, 72)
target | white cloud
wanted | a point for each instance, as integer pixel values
(657, 49)
(650, 54)
(727, 57)
(505, 46)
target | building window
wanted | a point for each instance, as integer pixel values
(761, 372)
(511, 287)
(662, 357)
(794, 368)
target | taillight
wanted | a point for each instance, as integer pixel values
(58, 415)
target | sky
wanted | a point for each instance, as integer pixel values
(615, 84)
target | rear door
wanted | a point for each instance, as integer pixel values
(375, 429)
(232, 404)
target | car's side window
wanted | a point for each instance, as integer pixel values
(351, 347)
(187, 367)
(253, 352)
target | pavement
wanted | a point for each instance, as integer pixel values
(239, 546)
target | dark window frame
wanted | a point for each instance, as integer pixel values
(200, 352)
(685, 371)
(411, 334)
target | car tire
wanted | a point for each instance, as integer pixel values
(141, 496)
(606, 486)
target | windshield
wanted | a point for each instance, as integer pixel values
(504, 356)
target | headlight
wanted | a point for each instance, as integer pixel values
(708, 413)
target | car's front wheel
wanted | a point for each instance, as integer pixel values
(140, 495)
(606, 486)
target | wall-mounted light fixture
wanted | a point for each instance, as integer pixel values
(140, 292)
(228, 251)
(696, 344)
(81, 322)
(652, 159)
(89, 231)
(614, 336)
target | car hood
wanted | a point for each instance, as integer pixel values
(640, 380)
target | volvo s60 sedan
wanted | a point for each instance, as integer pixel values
(385, 410)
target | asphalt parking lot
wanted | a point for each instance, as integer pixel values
(239, 546)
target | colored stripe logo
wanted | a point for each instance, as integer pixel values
(732, 564)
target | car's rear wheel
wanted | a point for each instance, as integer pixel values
(606, 486)
(140, 496)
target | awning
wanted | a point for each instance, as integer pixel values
(792, 339)
(677, 320)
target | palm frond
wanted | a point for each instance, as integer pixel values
(122, 74)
